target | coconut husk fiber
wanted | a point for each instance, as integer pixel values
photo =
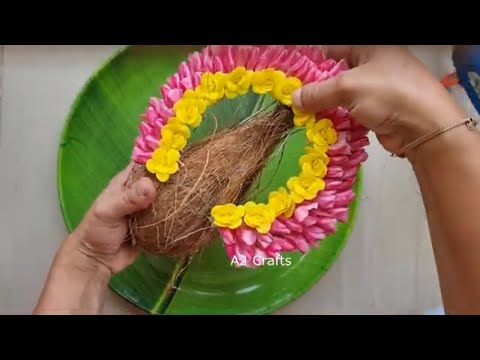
(219, 169)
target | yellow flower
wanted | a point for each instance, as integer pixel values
(322, 134)
(189, 110)
(163, 163)
(238, 82)
(264, 81)
(281, 202)
(259, 216)
(212, 87)
(313, 163)
(321, 154)
(305, 187)
(174, 135)
(283, 90)
(303, 119)
(228, 215)
(191, 94)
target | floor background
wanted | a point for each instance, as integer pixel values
(387, 266)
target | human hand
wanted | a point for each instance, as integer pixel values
(102, 233)
(387, 90)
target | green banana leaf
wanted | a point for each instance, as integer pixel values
(96, 144)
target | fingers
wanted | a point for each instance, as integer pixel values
(115, 205)
(121, 177)
(336, 52)
(324, 95)
(354, 55)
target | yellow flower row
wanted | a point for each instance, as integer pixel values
(306, 186)
(212, 88)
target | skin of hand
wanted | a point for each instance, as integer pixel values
(95, 250)
(392, 93)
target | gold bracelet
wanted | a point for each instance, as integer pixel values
(471, 123)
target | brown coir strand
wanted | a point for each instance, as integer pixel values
(217, 170)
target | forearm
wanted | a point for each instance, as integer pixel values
(76, 284)
(448, 172)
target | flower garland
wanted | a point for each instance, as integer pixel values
(295, 217)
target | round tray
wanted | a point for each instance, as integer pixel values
(96, 143)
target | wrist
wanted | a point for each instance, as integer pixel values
(74, 256)
(457, 142)
(76, 283)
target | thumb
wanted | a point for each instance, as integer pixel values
(115, 205)
(331, 93)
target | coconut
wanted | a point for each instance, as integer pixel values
(218, 169)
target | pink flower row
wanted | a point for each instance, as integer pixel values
(305, 62)
(312, 220)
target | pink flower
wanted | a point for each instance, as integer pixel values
(291, 59)
(327, 223)
(251, 61)
(326, 199)
(342, 146)
(284, 244)
(343, 124)
(161, 108)
(291, 224)
(313, 53)
(240, 54)
(227, 236)
(332, 184)
(195, 62)
(313, 233)
(259, 257)
(327, 65)
(150, 115)
(140, 155)
(334, 172)
(312, 75)
(360, 143)
(184, 71)
(267, 57)
(265, 240)
(304, 69)
(351, 171)
(145, 129)
(151, 141)
(273, 250)
(338, 160)
(358, 157)
(186, 83)
(308, 221)
(217, 65)
(279, 228)
(302, 211)
(300, 242)
(196, 79)
(344, 198)
(170, 95)
(347, 183)
(279, 61)
(174, 81)
(341, 214)
(230, 249)
(298, 66)
(246, 235)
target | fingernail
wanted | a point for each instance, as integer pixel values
(297, 99)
